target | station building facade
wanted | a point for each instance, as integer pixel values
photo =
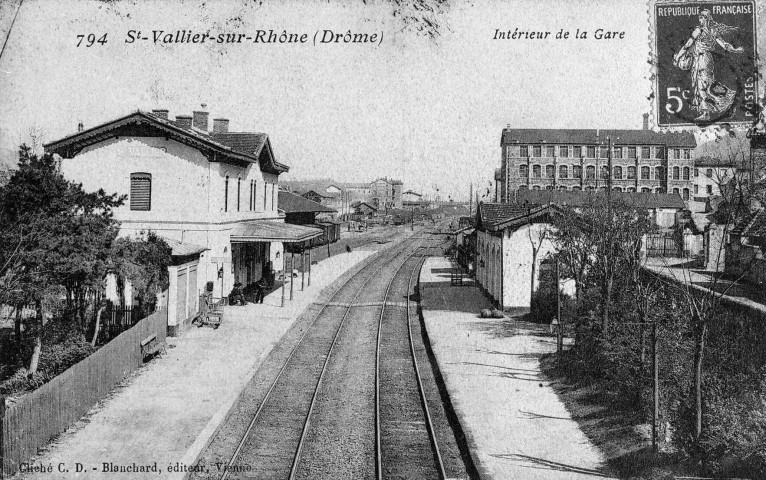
(212, 194)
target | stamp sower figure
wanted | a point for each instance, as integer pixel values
(709, 96)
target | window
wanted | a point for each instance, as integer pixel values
(676, 191)
(617, 171)
(563, 171)
(576, 189)
(676, 173)
(523, 171)
(239, 191)
(590, 171)
(604, 172)
(536, 171)
(550, 171)
(265, 194)
(576, 171)
(657, 190)
(631, 152)
(617, 152)
(604, 152)
(631, 173)
(563, 151)
(591, 152)
(645, 152)
(536, 187)
(696, 172)
(687, 154)
(537, 151)
(659, 152)
(549, 187)
(659, 173)
(709, 189)
(562, 188)
(696, 189)
(523, 187)
(141, 191)
(250, 204)
(646, 190)
(644, 173)
(617, 189)
(590, 189)
(686, 194)
(274, 196)
(577, 151)
(677, 153)
(550, 151)
(226, 195)
(524, 151)
(686, 173)
(709, 173)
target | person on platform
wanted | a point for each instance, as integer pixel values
(260, 288)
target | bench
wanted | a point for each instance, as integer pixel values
(151, 346)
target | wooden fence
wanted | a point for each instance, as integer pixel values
(29, 422)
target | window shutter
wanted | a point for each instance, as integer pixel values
(140, 191)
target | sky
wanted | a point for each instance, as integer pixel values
(428, 111)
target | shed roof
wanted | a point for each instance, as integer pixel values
(582, 198)
(183, 249)
(292, 203)
(512, 136)
(753, 225)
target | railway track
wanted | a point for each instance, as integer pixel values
(407, 446)
(348, 402)
(273, 442)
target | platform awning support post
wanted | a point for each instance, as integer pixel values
(284, 273)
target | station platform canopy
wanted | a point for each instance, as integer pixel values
(271, 231)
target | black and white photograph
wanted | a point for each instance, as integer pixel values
(382, 239)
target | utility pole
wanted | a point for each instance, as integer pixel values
(560, 336)
(470, 200)
(655, 388)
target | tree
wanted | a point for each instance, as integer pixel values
(574, 246)
(57, 235)
(144, 262)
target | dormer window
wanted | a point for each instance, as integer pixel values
(141, 191)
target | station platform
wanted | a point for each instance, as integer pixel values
(166, 412)
(515, 425)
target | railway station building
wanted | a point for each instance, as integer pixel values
(212, 192)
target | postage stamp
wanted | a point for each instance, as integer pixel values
(705, 59)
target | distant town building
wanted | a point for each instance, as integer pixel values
(566, 159)
(711, 175)
(383, 193)
(415, 201)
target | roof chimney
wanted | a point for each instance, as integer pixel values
(646, 121)
(162, 113)
(220, 125)
(200, 119)
(184, 121)
(80, 127)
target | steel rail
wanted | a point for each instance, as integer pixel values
(306, 424)
(426, 413)
(266, 398)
